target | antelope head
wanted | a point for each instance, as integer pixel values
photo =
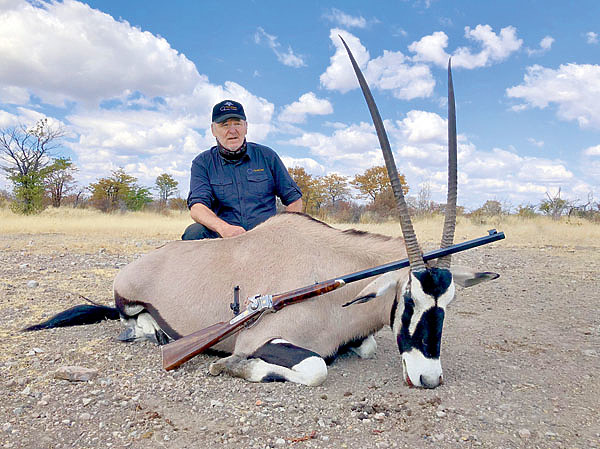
(430, 287)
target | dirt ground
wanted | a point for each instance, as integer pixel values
(521, 358)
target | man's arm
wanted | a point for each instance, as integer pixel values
(203, 215)
(296, 206)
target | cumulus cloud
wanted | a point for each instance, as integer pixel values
(495, 47)
(346, 20)
(545, 45)
(574, 88)
(392, 71)
(309, 164)
(307, 104)
(419, 142)
(591, 37)
(288, 58)
(592, 151)
(105, 57)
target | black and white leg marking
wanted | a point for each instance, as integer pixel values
(275, 361)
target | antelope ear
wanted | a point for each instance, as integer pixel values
(466, 277)
(377, 288)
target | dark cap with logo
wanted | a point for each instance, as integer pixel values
(227, 109)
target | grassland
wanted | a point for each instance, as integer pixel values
(533, 232)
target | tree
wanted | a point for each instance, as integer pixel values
(555, 206)
(335, 188)
(311, 190)
(166, 186)
(23, 156)
(59, 179)
(375, 181)
(109, 194)
(490, 208)
(138, 197)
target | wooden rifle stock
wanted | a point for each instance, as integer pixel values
(180, 351)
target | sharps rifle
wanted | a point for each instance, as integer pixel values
(180, 351)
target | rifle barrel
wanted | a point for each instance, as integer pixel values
(492, 236)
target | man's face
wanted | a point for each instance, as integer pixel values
(230, 133)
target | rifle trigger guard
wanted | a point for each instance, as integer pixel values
(258, 303)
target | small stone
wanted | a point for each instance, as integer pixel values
(32, 284)
(26, 391)
(6, 427)
(279, 442)
(524, 434)
(379, 416)
(440, 414)
(86, 401)
(24, 265)
(85, 417)
(215, 403)
(75, 373)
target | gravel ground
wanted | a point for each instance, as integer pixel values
(521, 358)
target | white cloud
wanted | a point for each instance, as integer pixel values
(67, 51)
(288, 58)
(545, 45)
(309, 164)
(495, 47)
(574, 88)
(339, 74)
(592, 151)
(391, 71)
(346, 20)
(307, 104)
(591, 37)
(537, 143)
(419, 142)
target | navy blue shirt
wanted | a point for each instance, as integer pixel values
(241, 193)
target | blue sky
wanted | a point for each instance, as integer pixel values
(133, 84)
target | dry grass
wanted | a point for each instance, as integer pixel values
(535, 232)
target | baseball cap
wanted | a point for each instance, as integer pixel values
(227, 109)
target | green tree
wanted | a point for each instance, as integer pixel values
(113, 192)
(555, 206)
(138, 197)
(59, 179)
(23, 156)
(166, 186)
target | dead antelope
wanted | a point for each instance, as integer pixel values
(185, 286)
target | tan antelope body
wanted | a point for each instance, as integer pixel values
(188, 285)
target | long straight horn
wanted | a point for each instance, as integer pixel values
(450, 218)
(415, 256)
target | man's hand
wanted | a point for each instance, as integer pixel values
(228, 230)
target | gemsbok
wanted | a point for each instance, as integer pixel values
(185, 286)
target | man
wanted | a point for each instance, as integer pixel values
(234, 184)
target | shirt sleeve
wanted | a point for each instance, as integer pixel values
(200, 188)
(285, 187)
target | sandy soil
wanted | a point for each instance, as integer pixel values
(521, 359)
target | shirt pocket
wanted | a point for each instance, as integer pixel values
(223, 190)
(259, 184)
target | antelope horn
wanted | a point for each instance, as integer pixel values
(415, 256)
(450, 216)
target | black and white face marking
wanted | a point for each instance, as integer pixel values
(419, 329)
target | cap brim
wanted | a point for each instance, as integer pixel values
(228, 116)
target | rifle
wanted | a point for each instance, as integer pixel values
(180, 351)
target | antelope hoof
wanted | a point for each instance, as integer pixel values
(216, 368)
